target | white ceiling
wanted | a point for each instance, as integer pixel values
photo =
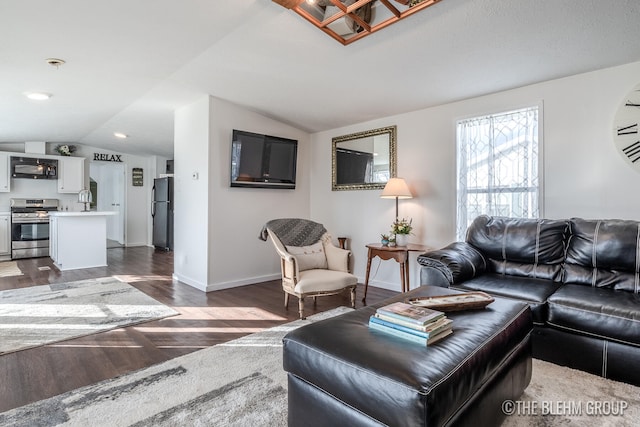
(131, 63)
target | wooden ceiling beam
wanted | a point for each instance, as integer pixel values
(391, 7)
(361, 22)
(296, 6)
(358, 5)
(289, 4)
(418, 7)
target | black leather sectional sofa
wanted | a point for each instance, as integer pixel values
(580, 277)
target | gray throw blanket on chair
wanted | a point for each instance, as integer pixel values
(294, 231)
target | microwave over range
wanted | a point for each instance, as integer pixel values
(34, 168)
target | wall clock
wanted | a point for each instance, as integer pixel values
(625, 132)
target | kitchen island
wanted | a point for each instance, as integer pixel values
(78, 239)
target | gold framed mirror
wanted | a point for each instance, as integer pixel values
(364, 160)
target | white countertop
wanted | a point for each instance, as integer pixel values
(80, 213)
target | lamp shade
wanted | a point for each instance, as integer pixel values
(396, 188)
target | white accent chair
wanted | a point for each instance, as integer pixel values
(314, 270)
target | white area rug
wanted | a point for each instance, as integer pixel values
(10, 268)
(38, 315)
(239, 383)
(242, 383)
(560, 396)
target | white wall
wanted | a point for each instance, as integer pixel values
(583, 173)
(191, 194)
(216, 226)
(237, 215)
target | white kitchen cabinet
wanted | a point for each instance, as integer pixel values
(70, 174)
(5, 173)
(5, 234)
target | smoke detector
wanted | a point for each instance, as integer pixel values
(55, 62)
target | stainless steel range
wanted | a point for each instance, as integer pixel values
(30, 227)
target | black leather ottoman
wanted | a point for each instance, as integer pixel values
(342, 373)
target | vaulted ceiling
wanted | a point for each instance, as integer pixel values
(129, 64)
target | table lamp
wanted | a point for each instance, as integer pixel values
(396, 188)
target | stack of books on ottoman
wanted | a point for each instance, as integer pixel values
(418, 324)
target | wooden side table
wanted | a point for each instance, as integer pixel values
(399, 253)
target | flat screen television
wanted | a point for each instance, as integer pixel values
(263, 161)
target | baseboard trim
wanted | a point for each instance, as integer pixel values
(191, 282)
(392, 286)
(224, 285)
(135, 245)
(241, 282)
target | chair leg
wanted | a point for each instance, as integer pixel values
(314, 301)
(353, 297)
(301, 307)
(286, 300)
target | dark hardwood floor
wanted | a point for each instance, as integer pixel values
(205, 319)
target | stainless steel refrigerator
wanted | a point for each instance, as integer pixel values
(162, 213)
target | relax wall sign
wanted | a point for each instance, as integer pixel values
(107, 157)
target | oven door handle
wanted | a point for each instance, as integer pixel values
(29, 221)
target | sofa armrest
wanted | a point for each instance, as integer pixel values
(453, 264)
(289, 263)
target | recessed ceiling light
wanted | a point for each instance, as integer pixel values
(55, 62)
(38, 96)
(120, 135)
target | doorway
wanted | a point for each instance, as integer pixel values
(107, 185)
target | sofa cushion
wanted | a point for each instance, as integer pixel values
(533, 291)
(604, 253)
(309, 257)
(337, 258)
(519, 246)
(603, 313)
(324, 280)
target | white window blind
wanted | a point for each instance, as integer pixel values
(498, 166)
